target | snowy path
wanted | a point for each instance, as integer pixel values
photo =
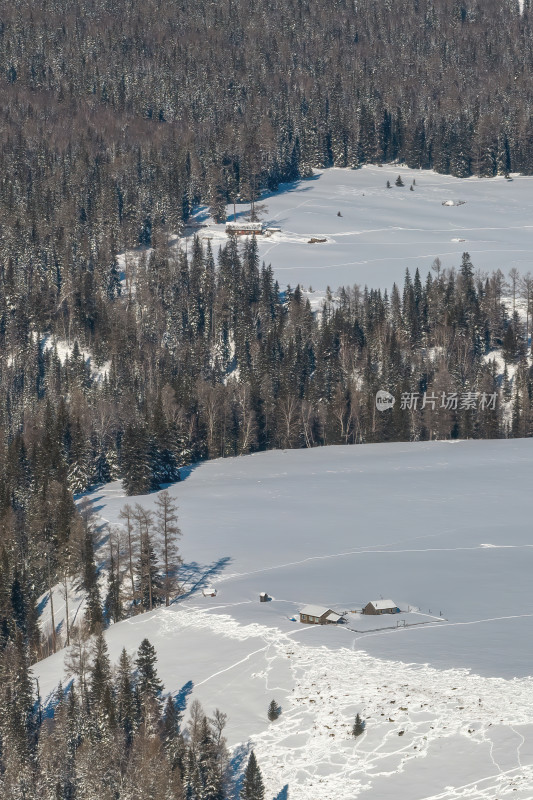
(416, 718)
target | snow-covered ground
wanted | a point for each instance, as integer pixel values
(442, 527)
(382, 231)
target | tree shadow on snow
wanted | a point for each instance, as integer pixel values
(180, 698)
(49, 706)
(186, 470)
(42, 604)
(290, 186)
(284, 794)
(198, 576)
(237, 765)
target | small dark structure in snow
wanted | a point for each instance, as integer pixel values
(263, 597)
(244, 228)
(209, 591)
(319, 615)
(381, 607)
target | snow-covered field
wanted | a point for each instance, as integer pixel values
(442, 527)
(382, 231)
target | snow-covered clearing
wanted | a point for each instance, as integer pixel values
(443, 527)
(64, 350)
(382, 231)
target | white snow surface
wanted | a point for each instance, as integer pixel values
(445, 528)
(382, 231)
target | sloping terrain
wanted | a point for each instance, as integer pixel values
(442, 529)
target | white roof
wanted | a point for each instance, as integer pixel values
(245, 226)
(380, 604)
(315, 611)
(333, 615)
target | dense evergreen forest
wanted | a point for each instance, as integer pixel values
(116, 120)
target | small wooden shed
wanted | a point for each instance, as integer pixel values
(381, 607)
(209, 591)
(319, 615)
(263, 597)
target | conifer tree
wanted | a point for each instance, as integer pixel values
(125, 697)
(147, 680)
(358, 726)
(136, 460)
(101, 701)
(112, 603)
(252, 785)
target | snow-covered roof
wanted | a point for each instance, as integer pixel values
(244, 226)
(381, 604)
(315, 611)
(334, 616)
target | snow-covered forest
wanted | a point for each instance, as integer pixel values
(132, 348)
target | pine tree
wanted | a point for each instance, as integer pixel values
(147, 680)
(125, 697)
(252, 785)
(112, 604)
(399, 181)
(101, 701)
(273, 711)
(93, 609)
(358, 727)
(136, 460)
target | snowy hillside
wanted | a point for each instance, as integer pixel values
(441, 528)
(382, 231)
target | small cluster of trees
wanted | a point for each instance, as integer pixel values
(140, 563)
(143, 563)
(109, 734)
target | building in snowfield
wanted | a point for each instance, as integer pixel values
(244, 228)
(209, 591)
(319, 615)
(381, 607)
(263, 597)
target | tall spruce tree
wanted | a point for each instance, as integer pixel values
(147, 680)
(252, 785)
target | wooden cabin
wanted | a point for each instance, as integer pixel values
(381, 607)
(319, 615)
(209, 591)
(244, 228)
(263, 597)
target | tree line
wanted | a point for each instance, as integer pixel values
(110, 733)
